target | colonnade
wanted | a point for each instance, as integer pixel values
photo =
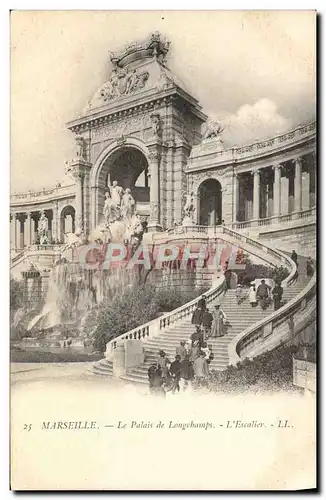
(280, 189)
(24, 226)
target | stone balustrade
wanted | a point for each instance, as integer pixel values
(276, 328)
(276, 219)
(42, 195)
(156, 326)
(257, 148)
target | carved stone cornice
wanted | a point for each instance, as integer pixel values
(87, 122)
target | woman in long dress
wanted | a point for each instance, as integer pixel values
(219, 318)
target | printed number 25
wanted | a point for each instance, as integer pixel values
(27, 427)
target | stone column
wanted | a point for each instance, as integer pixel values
(55, 232)
(13, 234)
(277, 190)
(28, 231)
(235, 197)
(256, 200)
(20, 232)
(79, 167)
(284, 192)
(169, 183)
(298, 185)
(154, 219)
(312, 182)
(79, 200)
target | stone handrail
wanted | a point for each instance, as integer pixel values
(154, 327)
(282, 258)
(44, 193)
(277, 327)
(18, 256)
(275, 219)
(185, 229)
(276, 254)
(44, 248)
(257, 148)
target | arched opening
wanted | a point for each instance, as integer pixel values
(129, 167)
(210, 203)
(67, 221)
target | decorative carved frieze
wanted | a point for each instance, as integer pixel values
(123, 127)
(123, 83)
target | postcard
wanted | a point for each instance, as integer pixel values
(163, 250)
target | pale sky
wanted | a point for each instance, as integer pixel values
(255, 71)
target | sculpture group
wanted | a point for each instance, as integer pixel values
(120, 205)
(123, 83)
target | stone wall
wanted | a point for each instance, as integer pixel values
(302, 239)
(182, 280)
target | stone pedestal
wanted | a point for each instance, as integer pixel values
(134, 354)
(188, 221)
(119, 366)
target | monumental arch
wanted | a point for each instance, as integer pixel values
(144, 129)
(139, 126)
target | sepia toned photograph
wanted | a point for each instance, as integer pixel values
(163, 250)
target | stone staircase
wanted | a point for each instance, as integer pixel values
(239, 316)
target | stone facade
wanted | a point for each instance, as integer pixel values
(143, 129)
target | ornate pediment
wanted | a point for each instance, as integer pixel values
(123, 83)
(155, 46)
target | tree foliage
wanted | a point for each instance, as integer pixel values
(254, 271)
(135, 306)
(269, 372)
(16, 294)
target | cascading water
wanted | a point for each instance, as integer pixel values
(69, 295)
(73, 291)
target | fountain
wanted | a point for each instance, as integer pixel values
(72, 290)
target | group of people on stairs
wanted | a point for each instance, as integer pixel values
(194, 356)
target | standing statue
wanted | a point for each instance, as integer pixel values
(127, 205)
(115, 193)
(189, 209)
(156, 124)
(81, 147)
(131, 81)
(43, 229)
(112, 204)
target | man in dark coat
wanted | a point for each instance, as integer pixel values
(262, 294)
(202, 303)
(155, 379)
(197, 316)
(277, 293)
(186, 372)
(294, 257)
(197, 337)
(175, 370)
(310, 267)
(207, 321)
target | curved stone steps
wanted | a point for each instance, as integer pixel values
(240, 317)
